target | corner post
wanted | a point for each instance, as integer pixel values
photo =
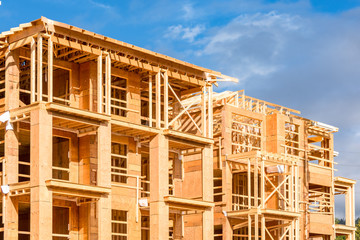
(11, 167)
(99, 84)
(40, 171)
(33, 70)
(208, 190)
(39, 67)
(159, 187)
(50, 69)
(166, 100)
(104, 180)
(158, 100)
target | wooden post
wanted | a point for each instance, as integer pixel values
(166, 100)
(262, 183)
(210, 111)
(263, 227)
(249, 182)
(150, 101)
(256, 197)
(108, 83)
(104, 180)
(33, 70)
(12, 79)
(159, 187)
(158, 100)
(203, 111)
(99, 84)
(40, 171)
(50, 70)
(39, 68)
(352, 206)
(227, 189)
(11, 149)
(249, 227)
(208, 190)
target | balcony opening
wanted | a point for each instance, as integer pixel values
(145, 228)
(24, 86)
(61, 223)
(24, 221)
(119, 226)
(61, 161)
(24, 155)
(145, 172)
(119, 96)
(320, 199)
(240, 191)
(119, 162)
(61, 83)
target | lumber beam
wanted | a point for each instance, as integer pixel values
(159, 187)
(128, 61)
(41, 170)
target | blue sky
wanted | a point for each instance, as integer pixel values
(301, 54)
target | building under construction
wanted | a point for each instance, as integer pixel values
(105, 140)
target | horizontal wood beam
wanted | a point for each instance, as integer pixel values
(131, 62)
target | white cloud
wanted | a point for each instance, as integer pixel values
(185, 33)
(188, 11)
(251, 44)
(101, 5)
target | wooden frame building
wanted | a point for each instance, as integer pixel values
(105, 140)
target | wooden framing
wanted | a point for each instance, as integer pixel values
(197, 164)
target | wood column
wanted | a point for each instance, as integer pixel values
(11, 167)
(208, 191)
(104, 180)
(159, 187)
(50, 70)
(40, 171)
(226, 172)
(39, 72)
(12, 78)
(99, 88)
(158, 99)
(11, 176)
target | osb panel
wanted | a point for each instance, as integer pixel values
(320, 224)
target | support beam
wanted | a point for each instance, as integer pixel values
(104, 180)
(99, 85)
(210, 111)
(263, 227)
(203, 112)
(150, 101)
(208, 191)
(50, 70)
(11, 176)
(12, 79)
(39, 68)
(166, 100)
(33, 70)
(40, 171)
(108, 83)
(158, 100)
(159, 187)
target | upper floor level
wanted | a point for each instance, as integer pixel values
(49, 61)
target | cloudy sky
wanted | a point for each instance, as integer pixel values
(301, 54)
